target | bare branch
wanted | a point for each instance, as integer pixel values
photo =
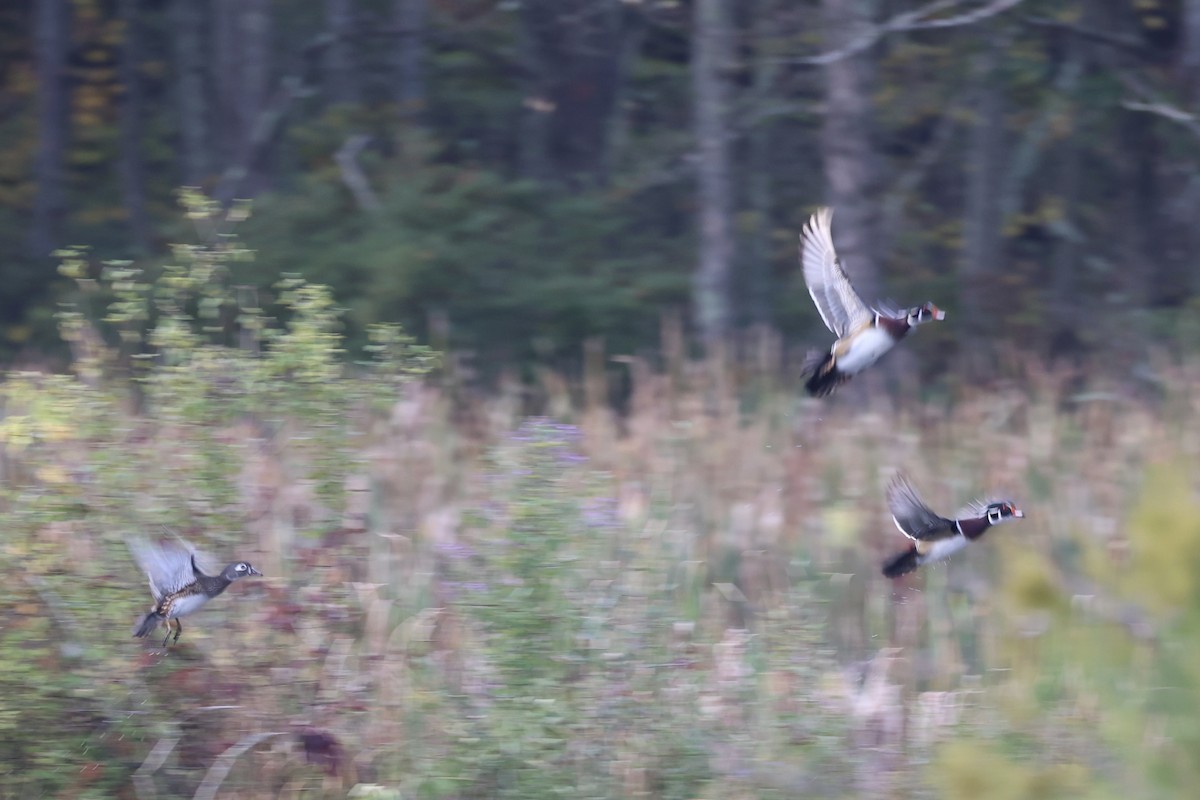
(1151, 103)
(1173, 113)
(970, 17)
(915, 20)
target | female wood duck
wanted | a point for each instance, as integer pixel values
(935, 537)
(178, 585)
(864, 334)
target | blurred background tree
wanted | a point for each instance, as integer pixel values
(515, 177)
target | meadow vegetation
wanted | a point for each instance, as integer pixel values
(533, 593)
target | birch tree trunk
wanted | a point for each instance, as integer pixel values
(710, 59)
(51, 43)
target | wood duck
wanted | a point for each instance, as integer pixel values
(935, 537)
(864, 334)
(178, 584)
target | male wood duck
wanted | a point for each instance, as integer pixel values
(935, 537)
(864, 334)
(178, 584)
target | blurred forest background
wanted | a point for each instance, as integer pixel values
(509, 179)
(475, 331)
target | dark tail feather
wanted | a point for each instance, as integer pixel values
(148, 624)
(825, 377)
(902, 563)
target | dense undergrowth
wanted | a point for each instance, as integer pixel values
(681, 600)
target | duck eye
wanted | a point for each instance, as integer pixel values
(241, 567)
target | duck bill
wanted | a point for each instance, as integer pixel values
(1019, 514)
(253, 571)
(938, 314)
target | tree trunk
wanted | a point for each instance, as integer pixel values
(851, 167)
(620, 128)
(411, 17)
(242, 49)
(187, 30)
(1190, 65)
(132, 164)
(1064, 288)
(341, 69)
(1066, 296)
(1189, 60)
(1141, 255)
(227, 66)
(760, 170)
(256, 85)
(985, 164)
(572, 53)
(536, 106)
(51, 41)
(710, 59)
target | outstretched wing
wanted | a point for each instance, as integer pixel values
(168, 565)
(839, 305)
(915, 519)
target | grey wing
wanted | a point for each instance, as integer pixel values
(839, 305)
(915, 520)
(168, 565)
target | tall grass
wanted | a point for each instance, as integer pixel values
(681, 599)
(540, 593)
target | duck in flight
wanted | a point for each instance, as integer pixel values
(178, 584)
(935, 537)
(864, 334)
